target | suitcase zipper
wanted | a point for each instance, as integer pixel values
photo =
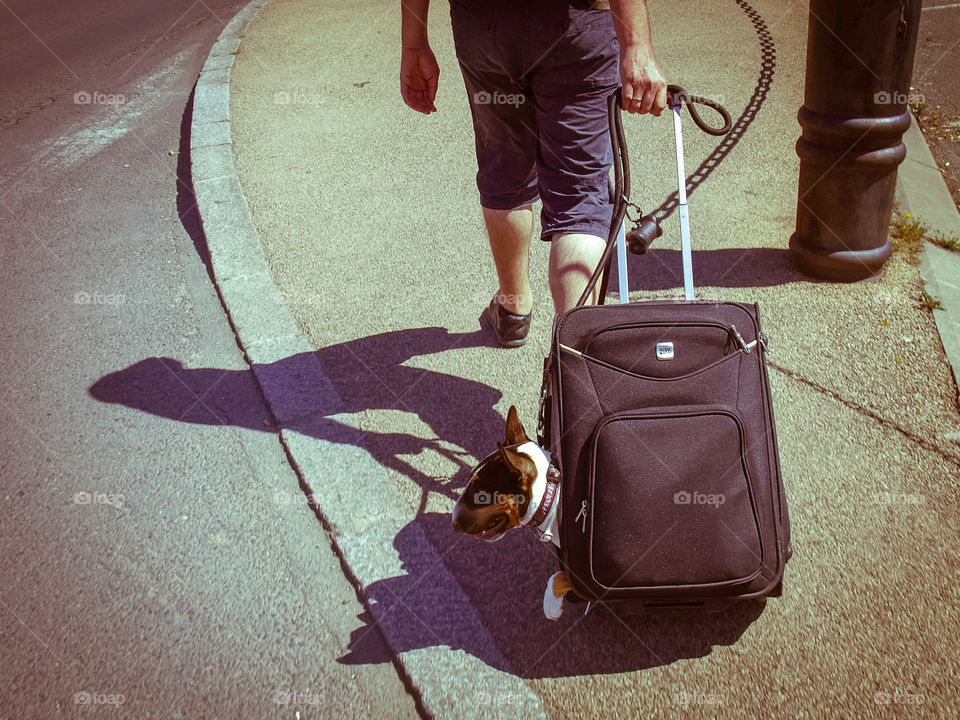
(731, 330)
(582, 514)
(739, 337)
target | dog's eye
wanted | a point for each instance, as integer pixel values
(491, 524)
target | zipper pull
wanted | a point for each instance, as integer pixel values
(763, 342)
(582, 514)
(739, 337)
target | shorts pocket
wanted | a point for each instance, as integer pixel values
(587, 56)
(474, 32)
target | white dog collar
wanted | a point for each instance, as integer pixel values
(547, 526)
(542, 462)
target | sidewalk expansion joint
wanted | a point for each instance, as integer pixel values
(864, 411)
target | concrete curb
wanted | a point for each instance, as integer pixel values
(301, 396)
(923, 193)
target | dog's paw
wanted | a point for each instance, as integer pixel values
(552, 603)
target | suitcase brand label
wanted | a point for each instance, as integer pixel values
(665, 351)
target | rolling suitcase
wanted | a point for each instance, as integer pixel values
(659, 421)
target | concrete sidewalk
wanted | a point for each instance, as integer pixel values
(349, 251)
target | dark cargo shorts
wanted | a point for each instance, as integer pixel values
(538, 74)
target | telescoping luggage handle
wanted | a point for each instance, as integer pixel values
(677, 97)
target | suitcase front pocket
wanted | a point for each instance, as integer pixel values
(670, 503)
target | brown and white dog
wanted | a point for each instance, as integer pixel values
(510, 488)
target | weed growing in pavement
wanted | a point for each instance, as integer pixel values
(907, 234)
(918, 107)
(947, 242)
(928, 303)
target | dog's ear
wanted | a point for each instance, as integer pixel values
(513, 460)
(515, 432)
(519, 464)
(509, 458)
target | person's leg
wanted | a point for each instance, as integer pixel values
(573, 258)
(509, 232)
(571, 85)
(488, 47)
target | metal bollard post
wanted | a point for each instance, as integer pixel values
(859, 63)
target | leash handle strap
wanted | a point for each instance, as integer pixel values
(621, 195)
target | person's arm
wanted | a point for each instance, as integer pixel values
(419, 71)
(644, 85)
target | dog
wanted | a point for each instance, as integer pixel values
(515, 487)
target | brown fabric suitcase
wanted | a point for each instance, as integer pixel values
(658, 416)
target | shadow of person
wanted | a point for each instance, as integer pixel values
(368, 373)
(502, 584)
(372, 373)
(482, 598)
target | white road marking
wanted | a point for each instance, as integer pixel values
(100, 127)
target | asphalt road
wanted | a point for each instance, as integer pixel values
(157, 560)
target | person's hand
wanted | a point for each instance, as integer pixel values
(644, 88)
(419, 73)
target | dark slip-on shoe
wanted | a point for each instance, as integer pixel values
(511, 330)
